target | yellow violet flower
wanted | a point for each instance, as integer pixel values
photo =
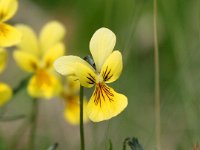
(36, 55)
(3, 59)
(5, 93)
(72, 101)
(105, 103)
(5, 90)
(8, 34)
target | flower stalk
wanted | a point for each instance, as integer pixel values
(81, 119)
(157, 77)
(33, 122)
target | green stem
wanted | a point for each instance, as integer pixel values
(21, 85)
(81, 119)
(157, 77)
(33, 121)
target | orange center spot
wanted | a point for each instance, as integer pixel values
(43, 79)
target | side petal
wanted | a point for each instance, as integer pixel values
(105, 103)
(73, 65)
(72, 110)
(7, 9)
(44, 85)
(9, 36)
(101, 45)
(52, 54)
(112, 67)
(5, 93)
(29, 42)
(52, 33)
(85, 74)
(3, 59)
(26, 61)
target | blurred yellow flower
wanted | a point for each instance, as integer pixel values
(36, 55)
(3, 59)
(5, 93)
(5, 90)
(8, 34)
(105, 103)
(71, 97)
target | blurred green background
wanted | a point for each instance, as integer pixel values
(132, 22)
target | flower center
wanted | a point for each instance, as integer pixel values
(43, 79)
(99, 79)
(102, 92)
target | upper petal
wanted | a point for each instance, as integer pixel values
(9, 36)
(26, 61)
(105, 103)
(5, 93)
(3, 59)
(29, 42)
(52, 33)
(7, 9)
(112, 67)
(52, 54)
(101, 45)
(73, 65)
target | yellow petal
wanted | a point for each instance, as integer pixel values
(44, 85)
(5, 93)
(101, 45)
(72, 110)
(7, 9)
(3, 59)
(112, 68)
(105, 103)
(66, 65)
(73, 65)
(52, 54)
(29, 42)
(9, 36)
(52, 33)
(86, 74)
(26, 61)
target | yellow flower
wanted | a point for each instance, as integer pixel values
(71, 97)
(3, 59)
(36, 55)
(5, 90)
(5, 93)
(105, 103)
(8, 34)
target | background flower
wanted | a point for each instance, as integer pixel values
(8, 34)
(5, 90)
(36, 55)
(5, 93)
(70, 94)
